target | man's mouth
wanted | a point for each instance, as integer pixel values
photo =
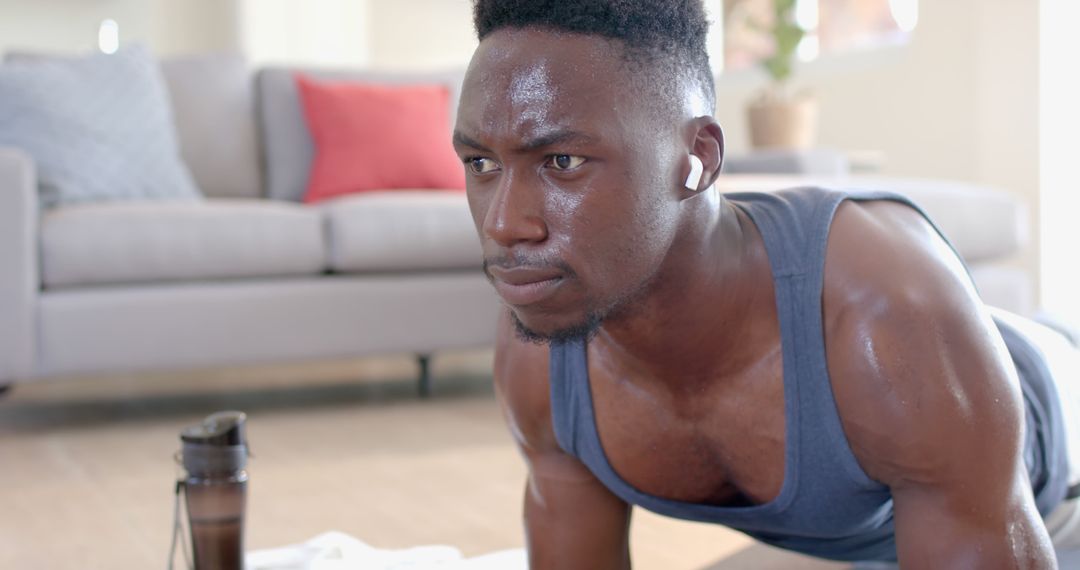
(522, 286)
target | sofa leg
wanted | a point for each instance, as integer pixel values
(424, 360)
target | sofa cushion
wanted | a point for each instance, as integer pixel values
(378, 137)
(401, 230)
(287, 143)
(215, 239)
(98, 127)
(213, 99)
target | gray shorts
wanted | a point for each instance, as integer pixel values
(1064, 526)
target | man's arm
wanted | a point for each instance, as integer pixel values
(928, 396)
(571, 520)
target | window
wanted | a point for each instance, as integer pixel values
(741, 39)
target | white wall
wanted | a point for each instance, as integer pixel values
(330, 33)
(67, 25)
(959, 102)
(387, 34)
(421, 34)
(196, 26)
(168, 26)
(1007, 109)
(1060, 177)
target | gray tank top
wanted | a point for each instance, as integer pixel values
(828, 506)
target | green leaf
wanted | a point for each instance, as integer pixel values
(786, 35)
(779, 68)
(784, 7)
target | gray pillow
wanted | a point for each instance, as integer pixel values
(98, 127)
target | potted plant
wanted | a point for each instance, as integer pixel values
(779, 117)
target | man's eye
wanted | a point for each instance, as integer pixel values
(482, 165)
(565, 161)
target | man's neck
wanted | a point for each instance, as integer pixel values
(709, 312)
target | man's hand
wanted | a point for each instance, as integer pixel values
(572, 521)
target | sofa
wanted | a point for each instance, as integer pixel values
(251, 275)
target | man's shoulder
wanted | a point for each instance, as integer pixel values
(522, 386)
(912, 353)
(884, 260)
(888, 270)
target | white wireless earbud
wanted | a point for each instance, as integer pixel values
(696, 170)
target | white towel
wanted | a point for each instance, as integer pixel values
(338, 551)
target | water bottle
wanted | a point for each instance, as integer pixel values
(214, 454)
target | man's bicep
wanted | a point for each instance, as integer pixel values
(948, 440)
(927, 393)
(961, 493)
(952, 527)
(572, 521)
(522, 388)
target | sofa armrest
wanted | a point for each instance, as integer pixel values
(1005, 287)
(984, 224)
(811, 162)
(19, 281)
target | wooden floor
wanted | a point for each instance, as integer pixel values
(87, 469)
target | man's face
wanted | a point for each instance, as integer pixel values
(572, 178)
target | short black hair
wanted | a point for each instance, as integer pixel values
(661, 34)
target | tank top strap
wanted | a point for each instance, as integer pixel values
(794, 224)
(568, 375)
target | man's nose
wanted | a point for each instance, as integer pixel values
(515, 214)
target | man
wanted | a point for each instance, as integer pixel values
(812, 368)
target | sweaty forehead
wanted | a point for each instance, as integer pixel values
(524, 82)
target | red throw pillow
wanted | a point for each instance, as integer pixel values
(378, 137)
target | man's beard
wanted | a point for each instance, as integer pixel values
(581, 332)
(585, 330)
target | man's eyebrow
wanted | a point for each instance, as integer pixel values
(542, 141)
(461, 139)
(554, 138)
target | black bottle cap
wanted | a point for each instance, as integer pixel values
(220, 428)
(216, 446)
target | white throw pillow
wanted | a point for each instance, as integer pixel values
(98, 127)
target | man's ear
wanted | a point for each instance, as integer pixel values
(708, 145)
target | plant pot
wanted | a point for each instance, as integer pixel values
(783, 122)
